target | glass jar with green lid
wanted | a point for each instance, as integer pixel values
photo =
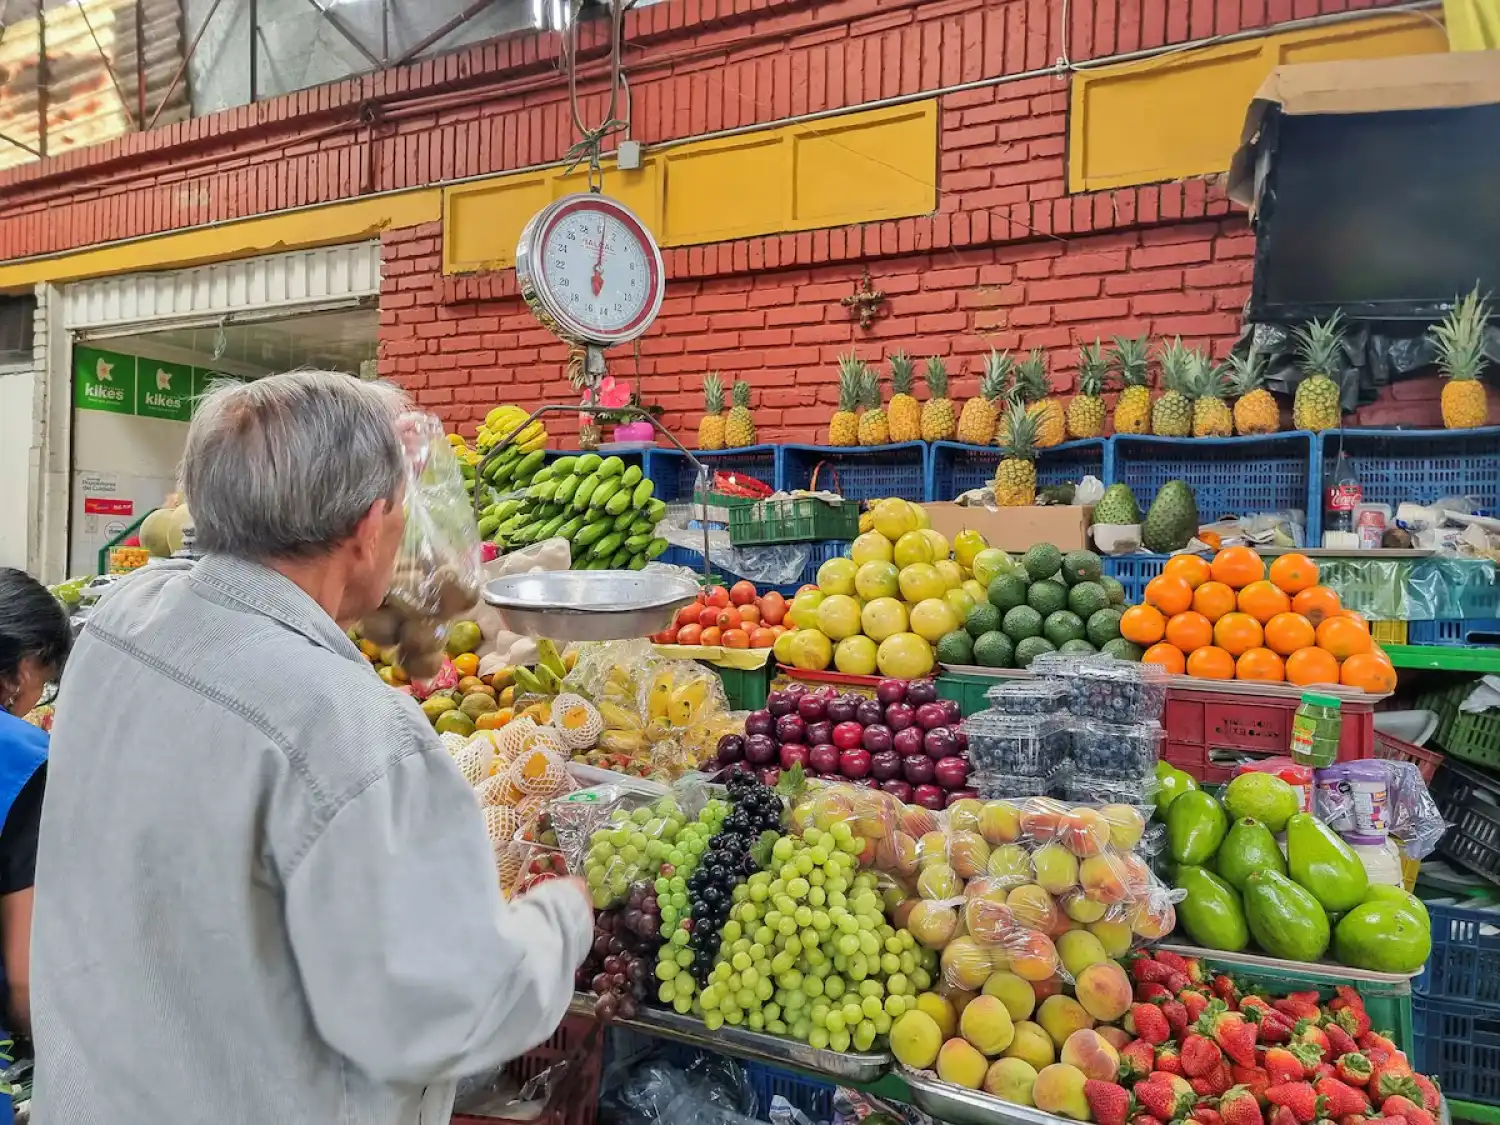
(1316, 728)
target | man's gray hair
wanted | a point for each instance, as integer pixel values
(286, 466)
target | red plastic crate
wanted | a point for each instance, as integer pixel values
(1209, 732)
(577, 1102)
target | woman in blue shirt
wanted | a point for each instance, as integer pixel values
(35, 636)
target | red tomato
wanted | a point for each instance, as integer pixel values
(665, 637)
(689, 634)
(742, 592)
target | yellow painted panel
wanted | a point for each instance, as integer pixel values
(730, 188)
(640, 190)
(482, 221)
(1180, 114)
(295, 230)
(880, 165)
(1473, 25)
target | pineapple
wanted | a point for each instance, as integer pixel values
(976, 424)
(1211, 416)
(1015, 476)
(1086, 408)
(739, 430)
(938, 422)
(1172, 414)
(1133, 408)
(905, 412)
(1255, 410)
(843, 428)
(873, 429)
(1036, 391)
(1316, 406)
(711, 425)
(1460, 346)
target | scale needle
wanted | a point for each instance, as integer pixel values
(598, 279)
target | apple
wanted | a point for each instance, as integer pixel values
(795, 754)
(854, 763)
(921, 691)
(760, 722)
(885, 764)
(869, 712)
(791, 728)
(938, 743)
(929, 716)
(897, 789)
(917, 769)
(877, 738)
(951, 773)
(962, 795)
(840, 710)
(890, 691)
(824, 758)
(899, 716)
(908, 741)
(760, 749)
(952, 710)
(812, 707)
(848, 736)
(929, 797)
(821, 731)
(780, 703)
(731, 748)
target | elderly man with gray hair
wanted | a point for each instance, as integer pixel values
(263, 892)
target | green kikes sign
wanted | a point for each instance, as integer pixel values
(125, 384)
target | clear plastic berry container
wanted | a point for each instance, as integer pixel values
(1122, 751)
(1028, 745)
(1090, 789)
(1115, 691)
(1029, 697)
(1010, 786)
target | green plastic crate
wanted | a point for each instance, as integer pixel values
(966, 689)
(1469, 737)
(746, 689)
(793, 519)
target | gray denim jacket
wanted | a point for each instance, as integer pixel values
(263, 894)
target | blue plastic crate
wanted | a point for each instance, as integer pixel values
(953, 467)
(1460, 1045)
(813, 1096)
(1234, 476)
(673, 473)
(817, 555)
(1464, 631)
(859, 472)
(1465, 962)
(1133, 572)
(1420, 465)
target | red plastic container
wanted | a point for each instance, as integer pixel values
(1395, 750)
(1210, 732)
(577, 1102)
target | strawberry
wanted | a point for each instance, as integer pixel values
(1324, 1070)
(1370, 1040)
(1281, 1115)
(1299, 1006)
(1195, 1002)
(1143, 970)
(1340, 1099)
(1137, 1059)
(1299, 1097)
(1252, 1001)
(1177, 982)
(1271, 1026)
(1177, 1017)
(1238, 1106)
(1432, 1098)
(1205, 1114)
(1396, 1120)
(1174, 961)
(1151, 992)
(1340, 1042)
(1199, 1055)
(1165, 1096)
(1284, 1064)
(1354, 1068)
(1386, 1077)
(1195, 970)
(1146, 1119)
(1398, 1105)
(1109, 1102)
(1226, 990)
(1169, 1059)
(1253, 1078)
(1354, 1119)
(1348, 1007)
(1230, 1030)
(1148, 1022)
(1214, 1083)
(1307, 1031)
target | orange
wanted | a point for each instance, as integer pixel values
(466, 664)
(1168, 656)
(493, 720)
(1260, 664)
(1211, 664)
(1287, 632)
(1309, 666)
(1212, 538)
(1189, 631)
(1368, 672)
(1238, 633)
(1143, 624)
(1213, 600)
(1343, 637)
(1316, 603)
(1169, 594)
(1294, 573)
(1192, 569)
(1237, 567)
(1263, 601)
(735, 638)
(1357, 618)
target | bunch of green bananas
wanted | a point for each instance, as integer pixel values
(547, 677)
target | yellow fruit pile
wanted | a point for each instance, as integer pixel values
(499, 423)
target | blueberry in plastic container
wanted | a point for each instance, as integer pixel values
(1087, 789)
(1029, 697)
(1115, 691)
(1026, 745)
(1007, 786)
(1118, 751)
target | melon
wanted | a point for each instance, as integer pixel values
(155, 533)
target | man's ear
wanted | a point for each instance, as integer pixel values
(366, 532)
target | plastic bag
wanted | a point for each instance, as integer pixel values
(780, 565)
(1415, 819)
(657, 1090)
(437, 568)
(618, 836)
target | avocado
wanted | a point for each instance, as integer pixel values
(994, 650)
(1030, 648)
(983, 618)
(1062, 627)
(1248, 846)
(1285, 920)
(1212, 912)
(1117, 505)
(1172, 520)
(1113, 588)
(1087, 598)
(1047, 597)
(1021, 622)
(956, 647)
(1121, 649)
(1006, 591)
(1103, 626)
(1042, 561)
(1079, 647)
(1081, 566)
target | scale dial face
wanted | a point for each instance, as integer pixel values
(590, 270)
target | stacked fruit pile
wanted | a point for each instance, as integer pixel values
(1231, 618)
(1240, 884)
(1189, 1046)
(604, 510)
(737, 617)
(904, 741)
(510, 469)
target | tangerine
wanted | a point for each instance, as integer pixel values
(1287, 632)
(1308, 666)
(1294, 573)
(1143, 624)
(1366, 671)
(1260, 664)
(1211, 663)
(1169, 657)
(1213, 600)
(1189, 631)
(1238, 633)
(1169, 593)
(1192, 569)
(1355, 616)
(1237, 567)
(1343, 637)
(1263, 600)
(1316, 603)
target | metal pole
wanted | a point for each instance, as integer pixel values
(343, 29)
(19, 144)
(104, 58)
(446, 30)
(182, 69)
(140, 63)
(41, 80)
(254, 51)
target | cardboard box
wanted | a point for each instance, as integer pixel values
(1015, 529)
